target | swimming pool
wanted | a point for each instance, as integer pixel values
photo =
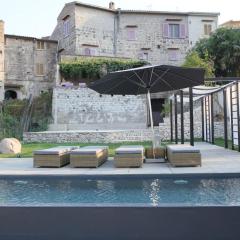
(153, 191)
(123, 207)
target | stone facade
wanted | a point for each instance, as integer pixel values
(158, 37)
(1, 60)
(30, 65)
(84, 109)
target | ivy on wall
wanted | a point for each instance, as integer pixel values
(90, 69)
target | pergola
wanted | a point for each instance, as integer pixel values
(230, 90)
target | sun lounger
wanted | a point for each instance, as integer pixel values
(52, 157)
(90, 156)
(129, 156)
(183, 155)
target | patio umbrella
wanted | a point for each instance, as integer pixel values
(147, 80)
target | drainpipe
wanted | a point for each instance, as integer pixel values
(116, 30)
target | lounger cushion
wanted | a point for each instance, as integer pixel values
(55, 150)
(182, 149)
(89, 150)
(137, 149)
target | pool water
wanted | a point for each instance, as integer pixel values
(120, 191)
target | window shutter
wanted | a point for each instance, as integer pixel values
(183, 31)
(172, 55)
(87, 51)
(131, 35)
(165, 30)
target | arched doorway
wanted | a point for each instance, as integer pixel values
(10, 94)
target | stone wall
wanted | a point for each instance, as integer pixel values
(1, 60)
(22, 58)
(83, 108)
(115, 136)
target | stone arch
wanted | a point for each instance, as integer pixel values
(10, 94)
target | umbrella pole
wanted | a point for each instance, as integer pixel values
(151, 120)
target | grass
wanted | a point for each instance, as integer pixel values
(28, 148)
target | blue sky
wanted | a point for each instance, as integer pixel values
(38, 18)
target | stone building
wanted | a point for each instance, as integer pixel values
(27, 65)
(156, 36)
(231, 24)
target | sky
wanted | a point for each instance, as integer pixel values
(38, 18)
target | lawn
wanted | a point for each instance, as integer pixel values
(28, 148)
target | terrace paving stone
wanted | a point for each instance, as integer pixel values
(215, 160)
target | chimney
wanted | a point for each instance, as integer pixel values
(112, 5)
(1, 60)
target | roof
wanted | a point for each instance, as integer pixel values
(206, 14)
(29, 38)
(231, 22)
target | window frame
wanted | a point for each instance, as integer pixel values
(131, 37)
(66, 27)
(171, 32)
(40, 45)
(207, 28)
(40, 70)
(170, 55)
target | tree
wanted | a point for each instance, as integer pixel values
(194, 60)
(223, 47)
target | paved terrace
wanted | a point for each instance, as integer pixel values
(214, 160)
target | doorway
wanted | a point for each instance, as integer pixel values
(10, 94)
(157, 108)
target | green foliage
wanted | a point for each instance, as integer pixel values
(89, 69)
(223, 47)
(194, 60)
(166, 109)
(12, 114)
(41, 112)
(10, 119)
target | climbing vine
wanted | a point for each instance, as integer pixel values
(90, 69)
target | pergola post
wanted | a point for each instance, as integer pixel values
(176, 120)
(171, 120)
(225, 118)
(212, 119)
(202, 110)
(191, 116)
(238, 124)
(182, 117)
(231, 111)
(206, 119)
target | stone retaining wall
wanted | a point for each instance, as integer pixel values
(114, 136)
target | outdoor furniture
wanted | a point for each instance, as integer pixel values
(159, 152)
(52, 157)
(90, 156)
(183, 155)
(129, 156)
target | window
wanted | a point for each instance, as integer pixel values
(89, 52)
(40, 45)
(39, 69)
(207, 29)
(66, 27)
(143, 56)
(174, 30)
(131, 35)
(172, 55)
